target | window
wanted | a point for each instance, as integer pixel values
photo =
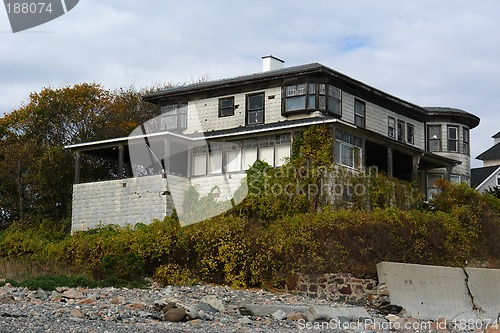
(466, 148)
(295, 97)
(347, 149)
(308, 97)
(255, 109)
(455, 179)
(226, 106)
(199, 161)
(391, 127)
(272, 149)
(359, 113)
(432, 189)
(401, 131)
(215, 158)
(434, 138)
(453, 138)
(282, 149)
(498, 180)
(410, 134)
(250, 150)
(233, 157)
(174, 116)
(334, 100)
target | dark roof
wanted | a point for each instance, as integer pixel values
(447, 112)
(479, 175)
(364, 91)
(228, 85)
(491, 154)
(215, 84)
(496, 136)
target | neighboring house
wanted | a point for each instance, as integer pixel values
(489, 175)
(217, 129)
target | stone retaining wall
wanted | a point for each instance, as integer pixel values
(334, 287)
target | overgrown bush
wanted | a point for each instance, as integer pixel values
(234, 249)
(170, 274)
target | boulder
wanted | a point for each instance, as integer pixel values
(175, 315)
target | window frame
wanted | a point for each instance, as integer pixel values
(451, 141)
(346, 140)
(179, 112)
(248, 110)
(393, 127)
(199, 151)
(316, 96)
(329, 100)
(433, 190)
(466, 141)
(410, 134)
(223, 109)
(358, 115)
(456, 179)
(429, 138)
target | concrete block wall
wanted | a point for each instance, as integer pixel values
(121, 201)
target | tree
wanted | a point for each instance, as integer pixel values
(36, 172)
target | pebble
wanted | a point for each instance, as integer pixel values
(199, 308)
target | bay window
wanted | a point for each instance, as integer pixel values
(174, 117)
(310, 97)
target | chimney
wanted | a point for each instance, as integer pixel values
(270, 63)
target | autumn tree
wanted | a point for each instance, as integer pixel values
(36, 172)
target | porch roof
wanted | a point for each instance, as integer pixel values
(109, 148)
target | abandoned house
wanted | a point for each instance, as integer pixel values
(213, 132)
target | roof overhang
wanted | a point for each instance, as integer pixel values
(109, 148)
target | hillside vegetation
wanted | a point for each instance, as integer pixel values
(461, 226)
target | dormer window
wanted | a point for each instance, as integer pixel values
(174, 117)
(310, 97)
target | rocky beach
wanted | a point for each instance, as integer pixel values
(198, 308)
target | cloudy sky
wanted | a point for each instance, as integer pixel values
(429, 52)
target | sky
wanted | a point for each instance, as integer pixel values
(428, 52)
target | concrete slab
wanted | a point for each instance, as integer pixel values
(431, 292)
(484, 285)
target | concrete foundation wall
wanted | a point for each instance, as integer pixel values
(121, 201)
(430, 292)
(142, 199)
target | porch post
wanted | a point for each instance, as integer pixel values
(121, 155)
(447, 174)
(78, 163)
(414, 170)
(390, 165)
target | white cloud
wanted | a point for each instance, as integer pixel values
(430, 53)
